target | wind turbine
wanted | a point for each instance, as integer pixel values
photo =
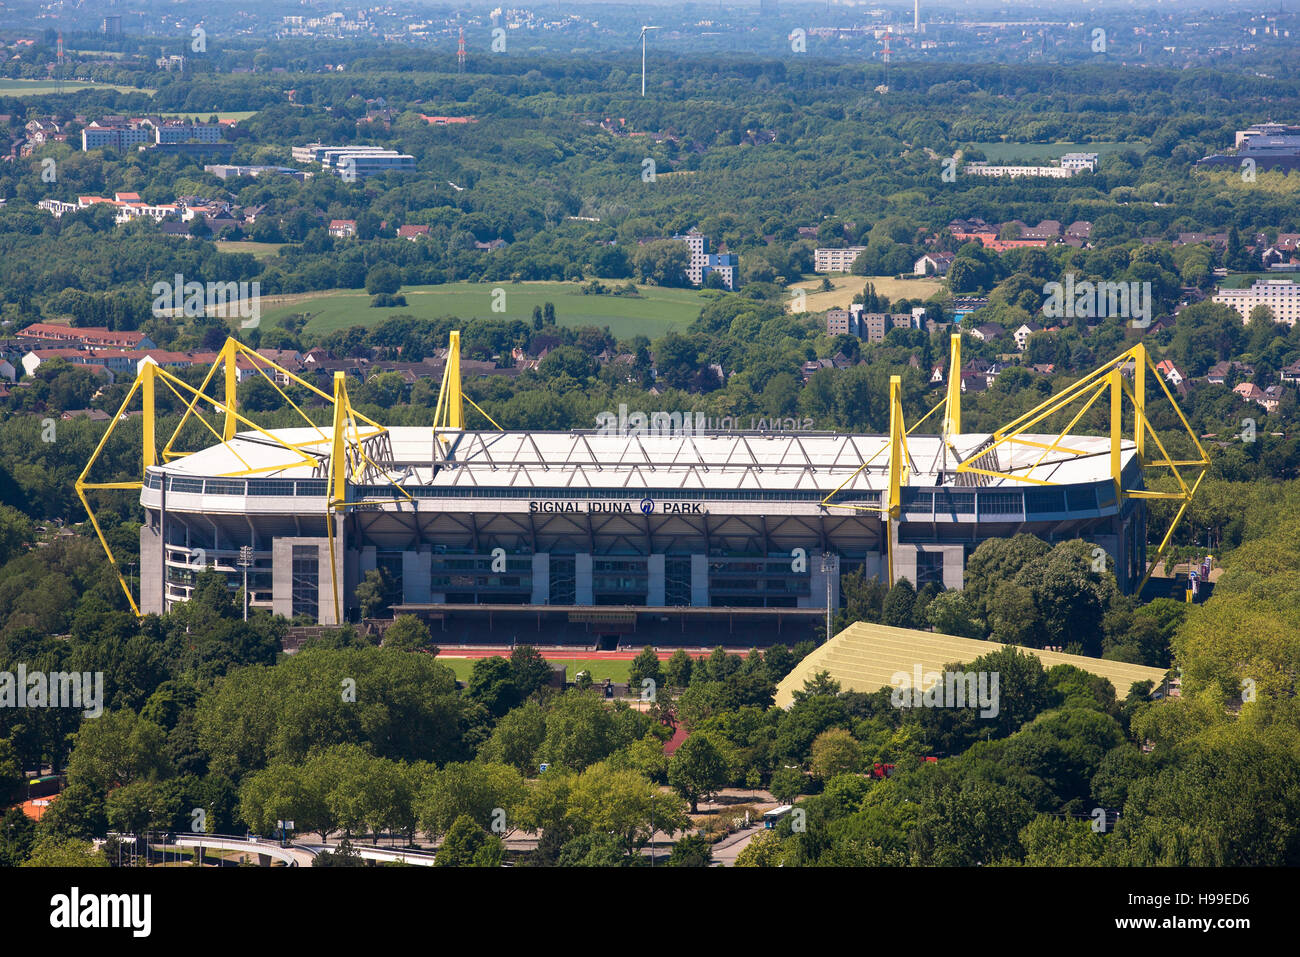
(644, 30)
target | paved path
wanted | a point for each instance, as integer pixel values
(728, 849)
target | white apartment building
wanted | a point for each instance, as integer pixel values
(830, 259)
(1282, 296)
(188, 133)
(1079, 161)
(984, 169)
(354, 160)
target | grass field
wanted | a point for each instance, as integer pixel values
(260, 251)
(1039, 152)
(600, 670)
(38, 87)
(846, 287)
(654, 313)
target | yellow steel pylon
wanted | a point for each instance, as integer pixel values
(449, 413)
(1106, 381)
(340, 462)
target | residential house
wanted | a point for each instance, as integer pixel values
(933, 264)
(1022, 334)
(1078, 233)
(987, 332)
(1271, 398)
(1171, 373)
(1048, 229)
(1249, 392)
(1220, 372)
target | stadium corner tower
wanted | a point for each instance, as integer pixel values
(656, 532)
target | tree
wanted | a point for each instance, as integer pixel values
(372, 593)
(15, 532)
(344, 855)
(677, 358)
(698, 769)
(517, 737)
(116, 749)
(52, 851)
(950, 613)
(835, 751)
(581, 730)
(645, 666)
(693, 850)
(383, 281)
(17, 837)
(787, 784)
(492, 682)
(662, 262)
(678, 671)
(899, 605)
(1059, 842)
(485, 793)
(596, 850)
(625, 804)
(11, 774)
(468, 845)
(530, 671)
(407, 633)
(968, 823)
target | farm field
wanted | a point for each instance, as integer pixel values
(1041, 152)
(259, 251)
(654, 313)
(35, 87)
(846, 287)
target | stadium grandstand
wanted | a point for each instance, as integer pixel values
(660, 534)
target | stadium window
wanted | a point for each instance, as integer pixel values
(929, 568)
(306, 581)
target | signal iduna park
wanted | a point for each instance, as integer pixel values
(640, 536)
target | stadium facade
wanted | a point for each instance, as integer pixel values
(658, 532)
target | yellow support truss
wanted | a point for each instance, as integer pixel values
(449, 413)
(1107, 381)
(340, 450)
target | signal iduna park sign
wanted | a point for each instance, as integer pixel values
(646, 506)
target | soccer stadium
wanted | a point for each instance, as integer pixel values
(600, 537)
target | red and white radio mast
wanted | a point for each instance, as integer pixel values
(460, 53)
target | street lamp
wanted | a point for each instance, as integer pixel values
(245, 559)
(830, 568)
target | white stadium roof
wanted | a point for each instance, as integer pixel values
(728, 460)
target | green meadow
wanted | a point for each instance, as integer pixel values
(653, 313)
(38, 87)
